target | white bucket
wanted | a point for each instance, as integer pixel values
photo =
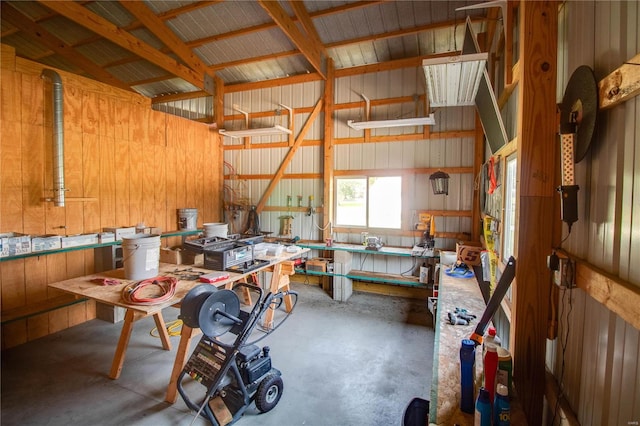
(141, 256)
(216, 230)
(187, 219)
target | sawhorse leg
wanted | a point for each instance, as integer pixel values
(279, 280)
(127, 327)
(186, 335)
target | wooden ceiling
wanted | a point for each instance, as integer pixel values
(164, 48)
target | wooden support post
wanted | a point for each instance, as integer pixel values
(327, 205)
(121, 350)
(537, 147)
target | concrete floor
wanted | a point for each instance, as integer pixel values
(354, 363)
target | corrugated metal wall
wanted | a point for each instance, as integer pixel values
(408, 154)
(600, 372)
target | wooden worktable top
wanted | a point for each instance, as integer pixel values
(112, 294)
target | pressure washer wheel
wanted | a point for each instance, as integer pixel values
(269, 393)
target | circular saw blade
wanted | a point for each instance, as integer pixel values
(579, 109)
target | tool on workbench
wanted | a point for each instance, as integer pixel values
(496, 298)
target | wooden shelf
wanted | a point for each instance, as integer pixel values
(91, 246)
(377, 277)
(10, 315)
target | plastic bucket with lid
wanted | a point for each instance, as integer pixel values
(216, 230)
(141, 256)
(187, 219)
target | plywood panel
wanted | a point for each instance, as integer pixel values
(121, 123)
(136, 176)
(37, 326)
(33, 171)
(14, 334)
(139, 123)
(108, 170)
(73, 175)
(170, 220)
(72, 106)
(11, 177)
(91, 181)
(32, 99)
(10, 96)
(122, 179)
(35, 279)
(90, 113)
(157, 124)
(107, 124)
(149, 174)
(13, 284)
(159, 188)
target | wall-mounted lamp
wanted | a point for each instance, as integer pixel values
(440, 183)
(454, 80)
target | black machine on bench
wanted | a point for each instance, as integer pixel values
(234, 372)
(227, 254)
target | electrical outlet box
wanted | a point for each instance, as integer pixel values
(565, 276)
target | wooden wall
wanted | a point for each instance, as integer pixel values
(124, 164)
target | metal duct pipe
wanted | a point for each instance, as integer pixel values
(58, 136)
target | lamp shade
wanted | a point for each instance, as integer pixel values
(440, 183)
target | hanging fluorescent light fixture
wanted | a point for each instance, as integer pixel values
(260, 131)
(381, 124)
(401, 122)
(454, 80)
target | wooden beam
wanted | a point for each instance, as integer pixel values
(416, 61)
(311, 51)
(106, 29)
(179, 97)
(307, 24)
(566, 416)
(478, 161)
(400, 33)
(254, 59)
(296, 79)
(619, 296)
(40, 34)
(537, 146)
(328, 150)
(410, 171)
(287, 159)
(620, 85)
(168, 37)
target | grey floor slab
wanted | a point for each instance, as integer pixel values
(353, 363)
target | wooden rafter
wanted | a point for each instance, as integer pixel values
(307, 24)
(168, 37)
(399, 33)
(287, 159)
(106, 29)
(271, 25)
(37, 32)
(311, 50)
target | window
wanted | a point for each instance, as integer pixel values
(509, 230)
(371, 202)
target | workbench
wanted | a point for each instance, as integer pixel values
(86, 287)
(343, 274)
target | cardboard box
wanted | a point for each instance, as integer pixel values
(13, 243)
(121, 232)
(106, 237)
(178, 256)
(469, 253)
(46, 242)
(153, 230)
(79, 240)
(317, 264)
